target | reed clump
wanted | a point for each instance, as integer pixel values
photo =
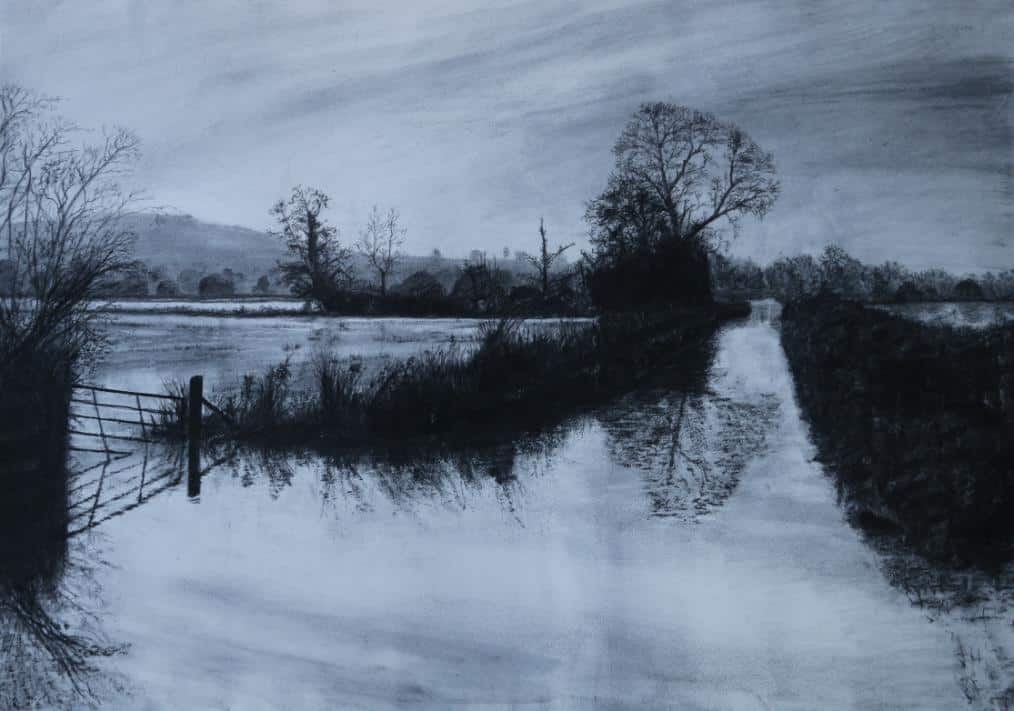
(516, 377)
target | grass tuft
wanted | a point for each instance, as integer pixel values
(520, 376)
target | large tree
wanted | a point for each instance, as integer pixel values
(61, 227)
(381, 241)
(680, 176)
(321, 263)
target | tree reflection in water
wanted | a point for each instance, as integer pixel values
(49, 634)
(447, 472)
(689, 442)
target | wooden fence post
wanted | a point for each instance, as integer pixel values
(195, 410)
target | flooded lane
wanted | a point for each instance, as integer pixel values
(678, 550)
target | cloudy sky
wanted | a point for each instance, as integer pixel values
(891, 122)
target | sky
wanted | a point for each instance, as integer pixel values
(891, 122)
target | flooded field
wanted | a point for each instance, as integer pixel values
(244, 306)
(675, 549)
(143, 349)
(970, 314)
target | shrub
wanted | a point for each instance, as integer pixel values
(675, 272)
(915, 421)
(167, 288)
(215, 286)
(420, 285)
(968, 290)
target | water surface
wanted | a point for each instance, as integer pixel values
(969, 314)
(143, 350)
(676, 549)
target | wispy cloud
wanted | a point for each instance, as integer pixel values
(891, 122)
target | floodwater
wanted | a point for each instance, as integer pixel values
(967, 314)
(677, 549)
(245, 306)
(144, 350)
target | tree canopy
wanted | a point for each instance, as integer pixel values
(320, 261)
(679, 174)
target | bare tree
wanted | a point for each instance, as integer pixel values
(381, 241)
(321, 264)
(61, 227)
(543, 263)
(678, 174)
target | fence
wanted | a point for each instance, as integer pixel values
(88, 410)
(112, 421)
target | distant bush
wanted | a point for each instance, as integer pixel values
(215, 286)
(132, 281)
(263, 286)
(968, 290)
(916, 421)
(908, 292)
(167, 288)
(481, 288)
(188, 280)
(420, 285)
(525, 294)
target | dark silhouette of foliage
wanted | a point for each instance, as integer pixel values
(61, 225)
(130, 281)
(968, 290)
(915, 421)
(167, 288)
(480, 287)
(321, 263)
(679, 174)
(421, 285)
(674, 272)
(216, 286)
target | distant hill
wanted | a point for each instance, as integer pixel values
(173, 244)
(178, 242)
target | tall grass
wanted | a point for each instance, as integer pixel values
(517, 377)
(170, 422)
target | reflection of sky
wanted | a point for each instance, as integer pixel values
(432, 583)
(891, 122)
(143, 351)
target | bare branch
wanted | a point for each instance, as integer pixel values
(380, 241)
(679, 172)
(61, 209)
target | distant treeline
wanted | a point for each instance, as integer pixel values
(836, 272)
(915, 421)
(141, 279)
